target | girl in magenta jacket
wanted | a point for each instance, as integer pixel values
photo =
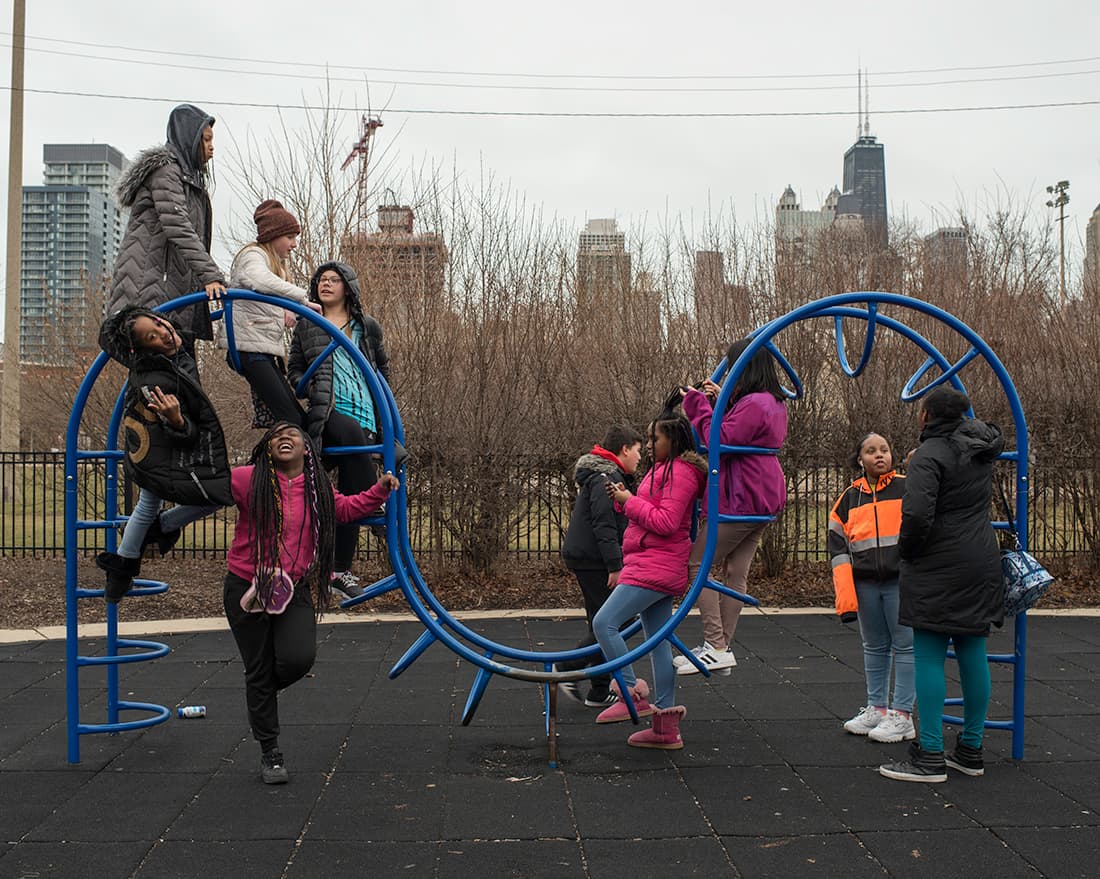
(656, 547)
(747, 484)
(280, 570)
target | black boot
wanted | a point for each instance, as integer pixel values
(922, 765)
(120, 574)
(966, 759)
(164, 540)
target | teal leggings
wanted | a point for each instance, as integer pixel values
(929, 654)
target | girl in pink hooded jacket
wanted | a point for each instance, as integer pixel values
(656, 547)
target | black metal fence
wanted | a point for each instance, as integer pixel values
(1062, 514)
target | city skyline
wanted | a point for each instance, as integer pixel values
(797, 104)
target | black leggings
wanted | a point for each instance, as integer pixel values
(593, 583)
(266, 375)
(355, 473)
(277, 650)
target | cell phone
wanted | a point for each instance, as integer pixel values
(146, 393)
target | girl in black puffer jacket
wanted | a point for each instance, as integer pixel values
(950, 584)
(175, 449)
(341, 411)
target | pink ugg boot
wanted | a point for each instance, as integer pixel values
(619, 711)
(665, 732)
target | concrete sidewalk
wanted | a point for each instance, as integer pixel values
(385, 782)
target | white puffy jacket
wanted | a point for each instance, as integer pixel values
(258, 328)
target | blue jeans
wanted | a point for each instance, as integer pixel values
(655, 608)
(145, 513)
(885, 640)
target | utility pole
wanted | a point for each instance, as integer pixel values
(1059, 193)
(9, 409)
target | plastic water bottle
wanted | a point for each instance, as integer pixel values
(186, 711)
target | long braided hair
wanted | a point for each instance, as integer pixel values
(267, 516)
(673, 424)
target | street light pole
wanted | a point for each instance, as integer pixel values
(1059, 193)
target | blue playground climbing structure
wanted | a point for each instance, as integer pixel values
(488, 657)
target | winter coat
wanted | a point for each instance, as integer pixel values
(749, 485)
(310, 340)
(165, 251)
(950, 563)
(863, 537)
(657, 542)
(186, 465)
(258, 328)
(594, 538)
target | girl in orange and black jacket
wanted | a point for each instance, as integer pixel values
(863, 543)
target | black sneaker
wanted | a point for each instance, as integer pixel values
(570, 689)
(164, 540)
(966, 759)
(272, 768)
(922, 765)
(120, 574)
(345, 585)
(600, 698)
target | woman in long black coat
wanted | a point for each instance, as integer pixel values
(950, 583)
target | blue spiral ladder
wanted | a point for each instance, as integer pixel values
(489, 657)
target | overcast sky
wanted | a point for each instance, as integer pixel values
(794, 57)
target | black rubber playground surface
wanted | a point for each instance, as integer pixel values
(386, 782)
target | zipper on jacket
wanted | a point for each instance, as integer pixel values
(197, 482)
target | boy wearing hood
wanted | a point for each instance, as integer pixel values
(174, 445)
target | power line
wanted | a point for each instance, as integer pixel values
(566, 88)
(421, 111)
(528, 75)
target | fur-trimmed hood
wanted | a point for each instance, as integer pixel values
(589, 465)
(146, 162)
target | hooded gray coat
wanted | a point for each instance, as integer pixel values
(165, 251)
(950, 578)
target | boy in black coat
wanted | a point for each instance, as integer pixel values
(175, 449)
(593, 544)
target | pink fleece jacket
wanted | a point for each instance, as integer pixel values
(297, 534)
(749, 485)
(657, 542)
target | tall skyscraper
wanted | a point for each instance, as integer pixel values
(72, 228)
(603, 265)
(864, 184)
(945, 254)
(1091, 281)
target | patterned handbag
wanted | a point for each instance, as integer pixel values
(1024, 578)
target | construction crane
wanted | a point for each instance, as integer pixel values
(361, 148)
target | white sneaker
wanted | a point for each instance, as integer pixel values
(717, 661)
(868, 718)
(894, 727)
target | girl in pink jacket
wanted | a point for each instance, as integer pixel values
(656, 547)
(280, 570)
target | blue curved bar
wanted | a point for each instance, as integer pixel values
(160, 714)
(868, 343)
(481, 681)
(154, 650)
(908, 395)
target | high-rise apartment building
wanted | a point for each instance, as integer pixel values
(72, 228)
(603, 265)
(1091, 281)
(945, 253)
(719, 306)
(401, 271)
